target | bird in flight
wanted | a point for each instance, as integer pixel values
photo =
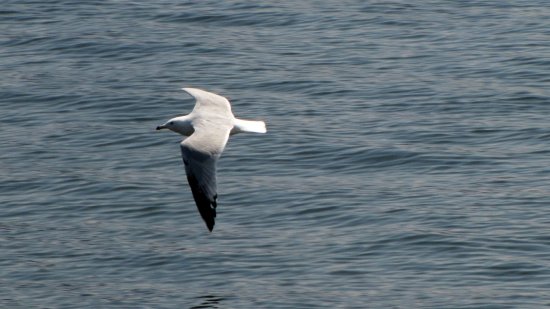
(207, 128)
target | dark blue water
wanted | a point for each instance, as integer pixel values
(406, 163)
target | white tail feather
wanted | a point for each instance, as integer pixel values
(248, 126)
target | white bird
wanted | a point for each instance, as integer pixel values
(208, 128)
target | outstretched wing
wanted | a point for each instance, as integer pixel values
(211, 103)
(200, 153)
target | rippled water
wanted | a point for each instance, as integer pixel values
(406, 163)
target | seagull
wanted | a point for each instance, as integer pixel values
(207, 128)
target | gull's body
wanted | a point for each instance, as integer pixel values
(208, 128)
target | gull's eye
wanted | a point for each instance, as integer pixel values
(171, 122)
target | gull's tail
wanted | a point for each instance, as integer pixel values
(248, 126)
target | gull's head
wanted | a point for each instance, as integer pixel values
(181, 125)
(170, 124)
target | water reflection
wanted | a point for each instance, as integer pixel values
(208, 301)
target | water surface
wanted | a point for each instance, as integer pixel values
(405, 165)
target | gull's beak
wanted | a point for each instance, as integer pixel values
(161, 127)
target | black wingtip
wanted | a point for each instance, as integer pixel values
(210, 223)
(206, 206)
(207, 210)
(208, 214)
(210, 226)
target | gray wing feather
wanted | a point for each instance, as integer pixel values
(210, 102)
(200, 153)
